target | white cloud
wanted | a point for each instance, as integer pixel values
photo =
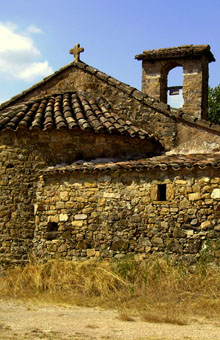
(35, 70)
(15, 42)
(34, 29)
(18, 55)
(11, 25)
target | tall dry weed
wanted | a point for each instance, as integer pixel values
(155, 285)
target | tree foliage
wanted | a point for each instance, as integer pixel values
(214, 105)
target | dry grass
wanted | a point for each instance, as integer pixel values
(164, 318)
(124, 316)
(158, 286)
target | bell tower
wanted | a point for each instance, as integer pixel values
(194, 60)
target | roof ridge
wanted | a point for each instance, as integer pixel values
(133, 92)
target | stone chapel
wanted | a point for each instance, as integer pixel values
(94, 168)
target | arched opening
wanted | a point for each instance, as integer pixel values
(175, 87)
(171, 84)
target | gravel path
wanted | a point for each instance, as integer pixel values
(20, 321)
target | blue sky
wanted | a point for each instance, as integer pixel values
(35, 36)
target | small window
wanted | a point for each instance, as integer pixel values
(161, 192)
(52, 226)
(52, 231)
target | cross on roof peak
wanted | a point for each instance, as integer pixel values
(76, 52)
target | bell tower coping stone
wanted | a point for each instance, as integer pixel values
(186, 51)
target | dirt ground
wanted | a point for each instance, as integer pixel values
(19, 321)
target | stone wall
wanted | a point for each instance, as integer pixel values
(112, 214)
(22, 155)
(193, 139)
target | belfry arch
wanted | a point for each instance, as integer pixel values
(171, 82)
(194, 59)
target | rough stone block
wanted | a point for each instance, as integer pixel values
(77, 223)
(120, 245)
(90, 184)
(195, 196)
(62, 248)
(181, 182)
(135, 218)
(178, 232)
(91, 252)
(184, 204)
(215, 180)
(194, 221)
(204, 180)
(63, 217)
(59, 205)
(101, 201)
(217, 227)
(66, 234)
(37, 220)
(174, 246)
(111, 195)
(193, 247)
(215, 194)
(35, 208)
(94, 214)
(205, 225)
(82, 244)
(4, 182)
(54, 219)
(81, 217)
(189, 233)
(154, 192)
(156, 241)
(208, 201)
(164, 225)
(64, 196)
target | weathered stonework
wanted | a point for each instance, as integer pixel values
(111, 214)
(22, 155)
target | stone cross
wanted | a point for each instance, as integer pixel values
(76, 52)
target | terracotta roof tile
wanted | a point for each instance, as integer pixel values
(68, 110)
(163, 163)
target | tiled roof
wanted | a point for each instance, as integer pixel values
(163, 163)
(177, 52)
(143, 98)
(69, 110)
